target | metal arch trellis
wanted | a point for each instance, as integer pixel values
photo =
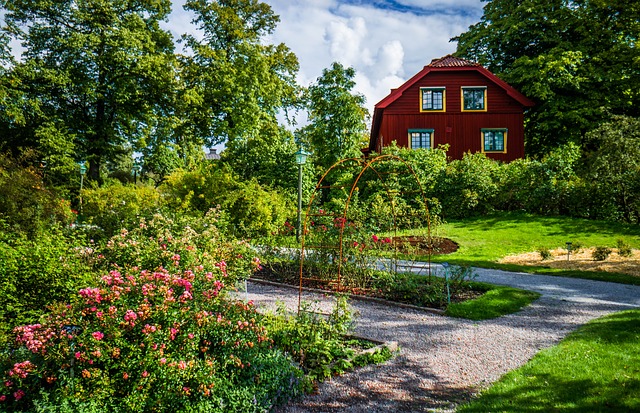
(364, 164)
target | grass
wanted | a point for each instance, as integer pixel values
(495, 302)
(595, 369)
(485, 240)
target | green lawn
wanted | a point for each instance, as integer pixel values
(496, 302)
(485, 240)
(595, 369)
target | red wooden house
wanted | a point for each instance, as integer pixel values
(457, 102)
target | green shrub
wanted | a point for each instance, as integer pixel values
(601, 253)
(26, 205)
(315, 342)
(468, 186)
(252, 209)
(37, 272)
(545, 254)
(116, 206)
(624, 249)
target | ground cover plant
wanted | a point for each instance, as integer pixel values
(596, 368)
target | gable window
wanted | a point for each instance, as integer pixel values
(432, 99)
(474, 98)
(421, 138)
(494, 140)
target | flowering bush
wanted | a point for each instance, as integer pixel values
(155, 334)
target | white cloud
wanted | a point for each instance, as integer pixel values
(386, 45)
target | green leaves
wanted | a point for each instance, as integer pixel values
(337, 117)
(577, 60)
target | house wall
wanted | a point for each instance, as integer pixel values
(461, 130)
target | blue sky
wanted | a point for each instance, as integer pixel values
(387, 42)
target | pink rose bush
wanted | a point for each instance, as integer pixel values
(153, 339)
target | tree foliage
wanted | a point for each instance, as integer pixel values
(95, 72)
(614, 167)
(235, 82)
(337, 117)
(576, 59)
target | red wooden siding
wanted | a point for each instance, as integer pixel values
(400, 112)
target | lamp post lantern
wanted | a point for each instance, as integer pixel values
(301, 159)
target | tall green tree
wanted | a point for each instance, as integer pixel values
(337, 117)
(236, 82)
(613, 167)
(97, 74)
(577, 59)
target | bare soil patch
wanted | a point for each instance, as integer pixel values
(581, 260)
(420, 245)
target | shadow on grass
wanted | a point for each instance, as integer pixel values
(566, 225)
(595, 369)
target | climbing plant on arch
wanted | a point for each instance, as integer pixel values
(356, 200)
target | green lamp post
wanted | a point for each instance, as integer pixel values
(83, 170)
(301, 159)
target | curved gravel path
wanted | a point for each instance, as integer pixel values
(444, 361)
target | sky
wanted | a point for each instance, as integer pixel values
(386, 42)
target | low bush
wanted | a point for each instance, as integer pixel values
(251, 209)
(317, 342)
(116, 206)
(26, 205)
(601, 253)
(38, 271)
(545, 254)
(624, 249)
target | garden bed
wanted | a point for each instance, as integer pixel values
(581, 260)
(417, 290)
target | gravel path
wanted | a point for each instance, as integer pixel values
(444, 361)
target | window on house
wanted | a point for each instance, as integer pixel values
(474, 98)
(494, 140)
(421, 138)
(432, 99)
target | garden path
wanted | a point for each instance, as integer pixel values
(443, 361)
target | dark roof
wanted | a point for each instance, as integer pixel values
(451, 61)
(212, 155)
(443, 64)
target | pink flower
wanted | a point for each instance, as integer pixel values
(387, 240)
(18, 394)
(91, 294)
(3, 398)
(355, 244)
(130, 316)
(125, 375)
(163, 360)
(97, 335)
(374, 238)
(173, 332)
(145, 373)
(182, 365)
(148, 329)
